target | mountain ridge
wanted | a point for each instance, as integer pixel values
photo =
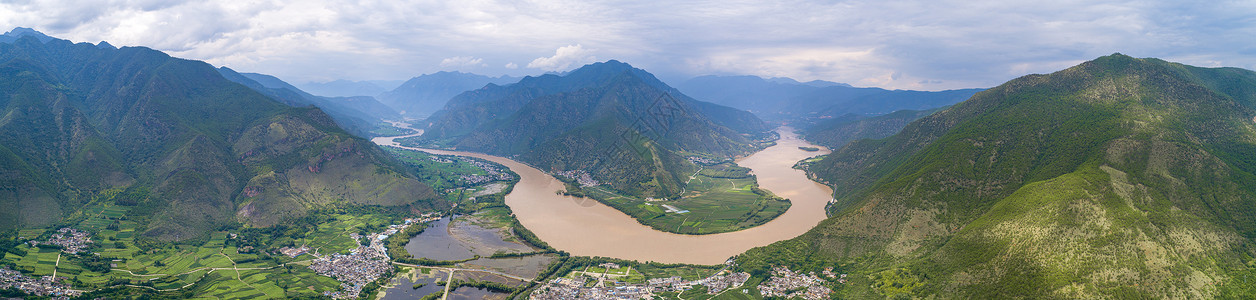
(1051, 185)
(617, 122)
(179, 136)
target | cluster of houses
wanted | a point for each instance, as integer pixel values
(364, 264)
(702, 160)
(70, 240)
(354, 271)
(577, 288)
(493, 171)
(580, 176)
(48, 286)
(789, 284)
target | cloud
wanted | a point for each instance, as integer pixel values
(564, 59)
(960, 43)
(462, 61)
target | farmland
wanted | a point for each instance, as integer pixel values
(718, 198)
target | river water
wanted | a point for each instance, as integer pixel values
(588, 228)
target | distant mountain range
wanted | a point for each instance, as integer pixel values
(189, 149)
(346, 88)
(357, 114)
(837, 132)
(783, 99)
(421, 96)
(619, 123)
(1119, 177)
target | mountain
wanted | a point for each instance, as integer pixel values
(420, 96)
(19, 32)
(343, 88)
(837, 132)
(619, 123)
(187, 149)
(1117, 178)
(357, 114)
(784, 99)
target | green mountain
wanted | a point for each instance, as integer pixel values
(619, 123)
(357, 114)
(837, 132)
(189, 149)
(1116, 178)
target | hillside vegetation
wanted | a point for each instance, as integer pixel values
(837, 132)
(1119, 177)
(618, 123)
(191, 150)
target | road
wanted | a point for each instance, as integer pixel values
(468, 270)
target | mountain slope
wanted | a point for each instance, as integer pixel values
(358, 114)
(421, 96)
(614, 121)
(836, 132)
(1119, 177)
(83, 122)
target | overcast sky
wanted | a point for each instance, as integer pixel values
(926, 45)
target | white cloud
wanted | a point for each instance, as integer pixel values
(933, 44)
(564, 59)
(462, 62)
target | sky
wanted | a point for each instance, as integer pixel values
(918, 45)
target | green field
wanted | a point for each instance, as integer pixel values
(719, 198)
(442, 172)
(386, 129)
(212, 268)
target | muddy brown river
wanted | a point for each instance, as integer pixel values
(588, 228)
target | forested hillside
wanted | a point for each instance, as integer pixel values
(187, 148)
(618, 123)
(1119, 177)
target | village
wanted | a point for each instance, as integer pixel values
(44, 286)
(789, 284)
(576, 287)
(783, 283)
(362, 265)
(70, 240)
(580, 176)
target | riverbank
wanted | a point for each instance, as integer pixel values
(586, 227)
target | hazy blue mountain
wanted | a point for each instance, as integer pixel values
(617, 122)
(420, 96)
(185, 148)
(784, 99)
(20, 32)
(343, 88)
(359, 115)
(813, 83)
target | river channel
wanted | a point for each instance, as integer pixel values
(588, 228)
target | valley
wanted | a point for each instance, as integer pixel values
(586, 227)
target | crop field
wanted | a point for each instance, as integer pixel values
(214, 268)
(719, 198)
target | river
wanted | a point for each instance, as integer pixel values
(586, 227)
